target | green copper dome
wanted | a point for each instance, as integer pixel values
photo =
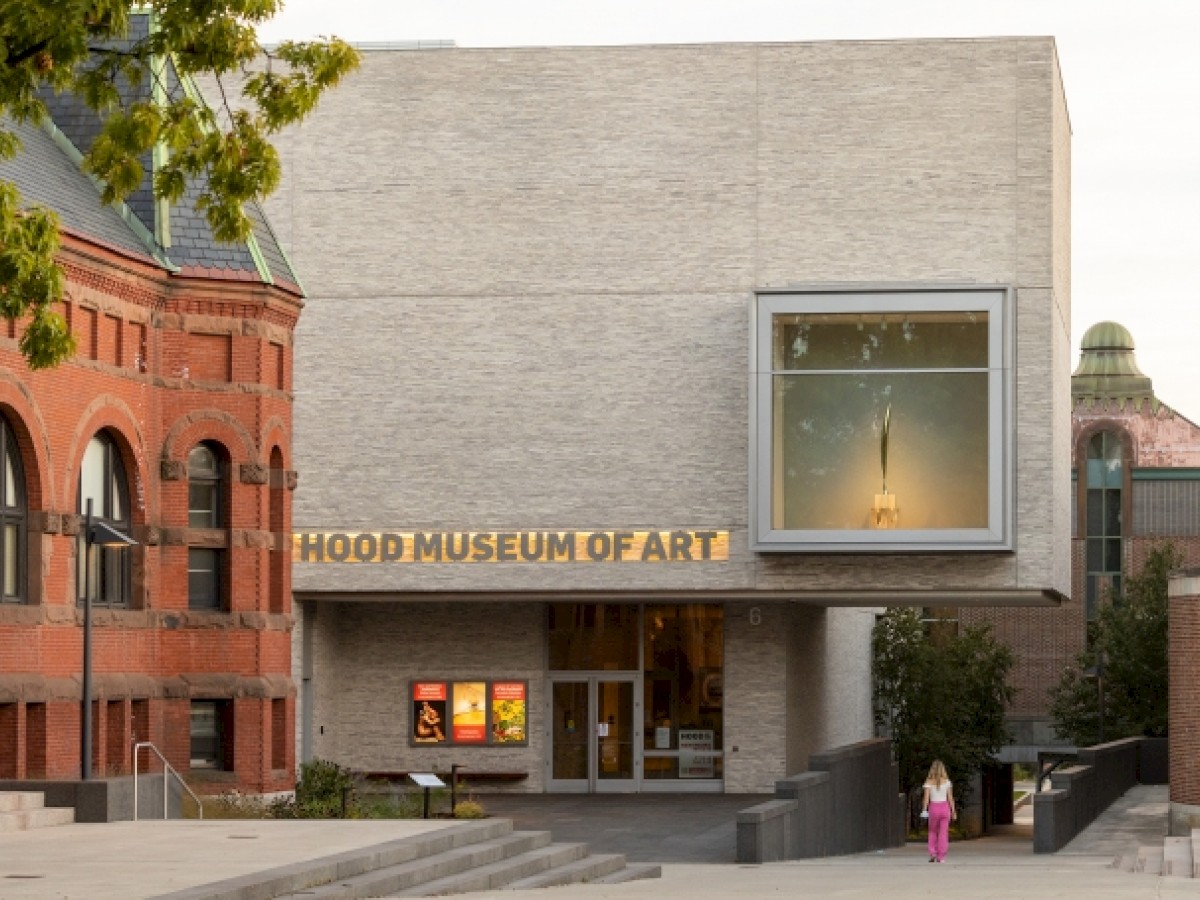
(1107, 336)
(1107, 367)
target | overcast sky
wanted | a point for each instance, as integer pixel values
(1131, 72)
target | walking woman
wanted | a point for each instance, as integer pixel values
(938, 805)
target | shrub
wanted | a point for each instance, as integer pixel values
(468, 809)
(325, 791)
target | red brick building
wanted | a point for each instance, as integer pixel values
(1136, 483)
(175, 420)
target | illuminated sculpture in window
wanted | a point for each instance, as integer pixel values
(885, 513)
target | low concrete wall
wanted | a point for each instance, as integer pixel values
(1152, 761)
(848, 802)
(106, 799)
(1080, 793)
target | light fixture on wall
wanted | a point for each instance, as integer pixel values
(884, 512)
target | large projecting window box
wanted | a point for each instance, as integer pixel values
(881, 420)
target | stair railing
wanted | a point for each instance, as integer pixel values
(168, 771)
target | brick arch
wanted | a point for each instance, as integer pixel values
(1115, 426)
(29, 428)
(275, 436)
(111, 414)
(1128, 456)
(213, 425)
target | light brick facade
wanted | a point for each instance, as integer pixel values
(530, 275)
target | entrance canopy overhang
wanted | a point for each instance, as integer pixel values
(847, 598)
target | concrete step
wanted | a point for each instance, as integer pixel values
(497, 875)
(39, 817)
(1196, 852)
(387, 880)
(1126, 862)
(1177, 856)
(305, 879)
(11, 801)
(1150, 860)
(586, 869)
(631, 872)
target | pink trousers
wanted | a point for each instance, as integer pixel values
(939, 829)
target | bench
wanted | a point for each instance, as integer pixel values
(470, 776)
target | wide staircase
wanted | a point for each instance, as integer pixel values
(486, 855)
(23, 810)
(1178, 856)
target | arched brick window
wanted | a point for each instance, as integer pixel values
(206, 510)
(103, 484)
(12, 518)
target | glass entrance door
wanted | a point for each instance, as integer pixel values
(593, 743)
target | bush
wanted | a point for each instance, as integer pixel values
(468, 809)
(325, 791)
(233, 805)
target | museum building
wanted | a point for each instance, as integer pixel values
(634, 381)
(172, 425)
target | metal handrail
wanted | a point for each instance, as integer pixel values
(168, 771)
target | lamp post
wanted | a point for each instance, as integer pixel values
(1097, 672)
(95, 534)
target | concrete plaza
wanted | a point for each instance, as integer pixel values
(128, 860)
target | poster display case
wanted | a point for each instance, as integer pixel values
(469, 713)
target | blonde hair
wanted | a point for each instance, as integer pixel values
(937, 773)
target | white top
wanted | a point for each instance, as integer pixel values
(938, 793)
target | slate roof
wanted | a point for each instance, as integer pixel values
(46, 175)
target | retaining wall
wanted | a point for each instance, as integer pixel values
(848, 802)
(1080, 793)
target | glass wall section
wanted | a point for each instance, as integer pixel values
(684, 657)
(593, 637)
(658, 718)
(880, 419)
(1105, 482)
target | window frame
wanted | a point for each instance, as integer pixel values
(997, 302)
(17, 515)
(112, 567)
(222, 714)
(1100, 585)
(215, 482)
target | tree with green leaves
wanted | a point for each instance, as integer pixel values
(84, 46)
(940, 696)
(1120, 680)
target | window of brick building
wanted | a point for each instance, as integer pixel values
(212, 734)
(12, 518)
(1103, 518)
(206, 565)
(102, 481)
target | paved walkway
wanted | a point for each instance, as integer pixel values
(127, 860)
(678, 828)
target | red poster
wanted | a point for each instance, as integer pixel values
(429, 712)
(508, 690)
(429, 690)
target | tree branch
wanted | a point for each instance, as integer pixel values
(15, 59)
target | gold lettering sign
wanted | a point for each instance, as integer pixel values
(509, 546)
